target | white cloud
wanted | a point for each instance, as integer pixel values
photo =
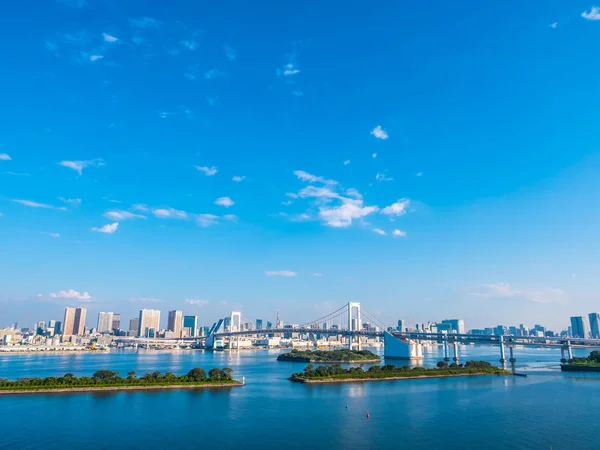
(229, 52)
(342, 216)
(346, 162)
(32, 204)
(107, 229)
(224, 201)
(379, 132)
(304, 217)
(380, 231)
(208, 171)
(280, 273)
(289, 70)
(398, 233)
(382, 177)
(206, 220)
(554, 25)
(396, 209)
(145, 22)
(122, 215)
(594, 14)
(108, 38)
(213, 73)
(305, 176)
(169, 213)
(238, 179)
(144, 300)
(190, 45)
(354, 193)
(71, 201)
(374, 155)
(298, 93)
(96, 57)
(287, 202)
(504, 290)
(17, 174)
(230, 217)
(419, 174)
(140, 207)
(78, 166)
(73, 294)
(317, 274)
(5, 157)
(194, 301)
(54, 235)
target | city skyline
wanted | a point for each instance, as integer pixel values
(176, 159)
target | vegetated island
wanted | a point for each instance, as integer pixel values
(337, 374)
(106, 380)
(590, 363)
(344, 356)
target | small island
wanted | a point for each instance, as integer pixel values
(590, 363)
(330, 356)
(337, 374)
(106, 380)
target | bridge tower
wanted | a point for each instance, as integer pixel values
(354, 323)
(235, 323)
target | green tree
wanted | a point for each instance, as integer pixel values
(442, 365)
(197, 374)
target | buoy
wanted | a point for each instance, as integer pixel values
(346, 405)
(368, 415)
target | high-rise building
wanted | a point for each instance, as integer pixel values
(134, 326)
(594, 325)
(578, 328)
(105, 320)
(456, 325)
(259, 324)
(175, 322)
(58, 327)
(191, 322)
(74, 323)
(116, 322)
(149, 322)
(400, 326)
(269, 325)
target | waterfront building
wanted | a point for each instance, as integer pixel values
(594, 324)
(134, 326)
(500, 330)
(578, 327)
(191, 322)
(259, 324)
(456, 325)
(269, 325)
(74, 322)
(105, 320)
(116, 322)
(175, 322)
(149, 322)
(400, 326)
(58, 327)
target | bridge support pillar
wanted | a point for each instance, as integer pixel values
(512, 359)
(401, 348)
(446, 357)
(569, 350)
(502, 353)
(455, 359)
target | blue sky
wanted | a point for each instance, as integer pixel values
(427, 160)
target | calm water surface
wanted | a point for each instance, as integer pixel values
(545, 410)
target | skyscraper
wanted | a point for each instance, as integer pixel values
(400, 326)
(149, 322)
(594, 325)
(191, 322)
(134, 326)
(74, 323)
(116, 322)
(578, 328)
(175, 322)
(105, 320)
(456, 325)
(259, 324)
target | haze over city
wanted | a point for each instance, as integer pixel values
(439, 163)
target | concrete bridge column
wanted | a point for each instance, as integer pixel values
(562, 354)
(455, 359)
(512, 359)
(569, 350)
(446, 357)
(502, 354)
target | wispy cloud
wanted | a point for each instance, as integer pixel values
(140, 207)
(317, 274)
(169, 213)
(5, 157)
(346, 162)
(71, 294)
(214, 73)
(554, 25)
(397, 209)
(398, 233)
(73, 3)
(122, 215)
(17, 174)
(288, 70)
(145, 22)
(280, 273)
(380, 231)
(594, 14)
(536, 295)
(144, 300)
(419, 174)
(206, 220)
(107, 229)
(298, 93)
(195, 301)
(382, 177)
(379, 133)
(96, 57)
(305, 176)
(224, 201)
(71, 201)
(53, 235)
(33, 204)
(190, 45)
(78, 166)
(109, 38)
(342, 216)
(374, 155)
(208, 171)
(238, 179)
(229, 52)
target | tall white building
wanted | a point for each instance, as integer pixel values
(105, 322)
(149, 322)
(175, 322)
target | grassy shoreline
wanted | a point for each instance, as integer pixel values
(342, 356)
(392, 378)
